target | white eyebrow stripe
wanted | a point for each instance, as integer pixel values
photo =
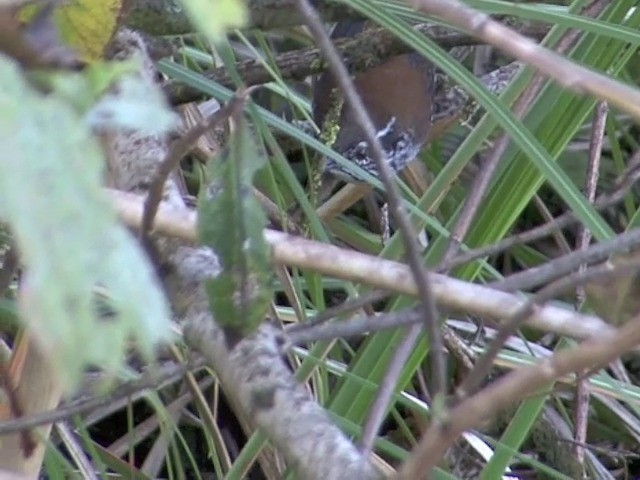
(388, 127)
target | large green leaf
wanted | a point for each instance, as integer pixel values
(68, 235)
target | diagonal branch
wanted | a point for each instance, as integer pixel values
(513, 386)
(260, 384)
(366, 50)
(450, 293)
(567, 73)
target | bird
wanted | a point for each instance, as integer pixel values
(398, 96)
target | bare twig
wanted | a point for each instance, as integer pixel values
(561, 266)
(513, 386)
(567, 73)
(584, 238)
(378, 409)
(593, 168)
(152, 380)
(451, 293)
(421, 276)
(367, 50)
(145, 428)
(386, 388)
(86, 469)
(628, 179)
(332, 312)
(353, 327)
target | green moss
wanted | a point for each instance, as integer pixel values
(331, 125)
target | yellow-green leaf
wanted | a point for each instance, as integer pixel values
(70, 240)
(85, 25)
(215, 17)
(88, 25)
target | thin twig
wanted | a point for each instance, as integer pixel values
(145, 382)
(558, 267)
(484, 364)
(401, 353)
(593, 172)
(622, 186)
(85, 467)
(563, 246)
(341, 309)
(387, 386)
(354, 327)
(584, 238)
(147, 427)
(511, 387)
(412, 248)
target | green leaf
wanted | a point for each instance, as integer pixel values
(215, 17)
(231, 222)
(69, 237)
(82, 89)
(133, 106)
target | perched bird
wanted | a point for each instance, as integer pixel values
(398, 95)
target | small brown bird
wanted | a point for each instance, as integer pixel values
(398, 96)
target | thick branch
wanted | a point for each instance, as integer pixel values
(367, 50)
(252, 372)
(451, 293)
(255, 377)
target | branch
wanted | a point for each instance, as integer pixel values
(453, 294)
(132, 390)
(567, 73)
(256, 378)
(366, 50)
(512, 387)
